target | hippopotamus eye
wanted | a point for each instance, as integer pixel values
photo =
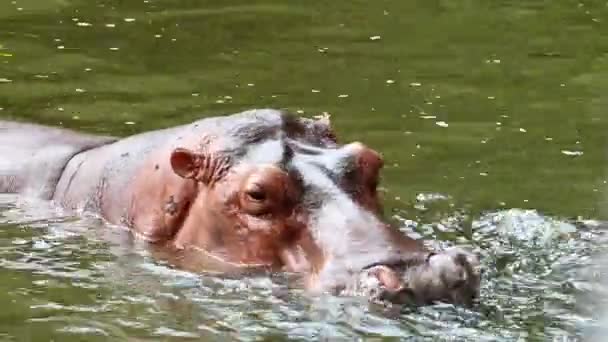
(256, 194)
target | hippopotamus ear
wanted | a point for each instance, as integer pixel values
(205, 168)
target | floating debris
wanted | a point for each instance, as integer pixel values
(114, 49)
(343, 95)
(82, 23)
(523, 130)
(572, 153)
(315, 90)
(195, 94)
(158, 36)
(483, 174)
(299, 111)
(415, 84)
(441, 124)
(5, 80)
(129, 20)
(87, 69)
(322, 50)
(129, 122)
(80, 90)
(110, 25)
(375, 38)
(548, 138)
(390, 81)
(491, 97)
(61, 47)
(76, 117)
(426, 117)
(250, 84)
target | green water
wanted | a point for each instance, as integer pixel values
(497, 105)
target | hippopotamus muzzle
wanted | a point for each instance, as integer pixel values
(449, 276)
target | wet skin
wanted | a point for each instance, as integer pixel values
(256, 189)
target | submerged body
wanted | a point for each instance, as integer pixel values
(258, 188)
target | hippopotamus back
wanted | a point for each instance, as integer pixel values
(32, 157)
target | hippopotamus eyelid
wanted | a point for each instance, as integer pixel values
(256, 193)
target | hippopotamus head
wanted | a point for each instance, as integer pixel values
(269, 188)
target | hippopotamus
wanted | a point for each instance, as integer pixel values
(261, 188)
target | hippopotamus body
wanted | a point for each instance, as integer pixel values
(257, 188)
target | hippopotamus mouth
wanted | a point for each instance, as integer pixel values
(450, 276)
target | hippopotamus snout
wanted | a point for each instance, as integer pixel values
(451, 276)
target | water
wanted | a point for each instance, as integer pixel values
(491, 117)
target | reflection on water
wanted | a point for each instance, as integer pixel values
(74, 278)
